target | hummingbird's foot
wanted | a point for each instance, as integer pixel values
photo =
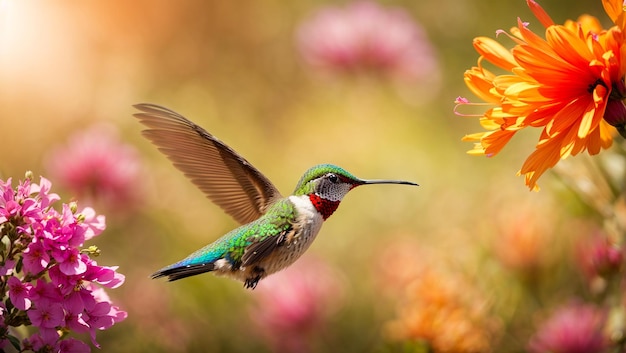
(257, 274)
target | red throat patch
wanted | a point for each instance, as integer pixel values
(323, 206)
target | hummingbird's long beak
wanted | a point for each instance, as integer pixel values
(366, 182)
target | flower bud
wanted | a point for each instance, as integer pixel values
(92, 250)
(615, 115)
(73, 207)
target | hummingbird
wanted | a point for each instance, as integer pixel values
(275, 230)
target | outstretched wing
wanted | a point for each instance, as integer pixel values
(224, 176)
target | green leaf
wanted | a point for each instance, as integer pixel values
(9, 305)
(15, 342)
(18, 265)
(4, 241)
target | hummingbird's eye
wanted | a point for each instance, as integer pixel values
(333, 178)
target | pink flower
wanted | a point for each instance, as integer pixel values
(7, 268)
(45, 291)
(36, 259)
(106, 276)
(295, 302)
(29, 209)
(6, 192)
(43, 189)
(63, 284)
(47, 314)
(599, 257)
(73, 346)
(35, 342)
(19, 293)
(575, 328)
(95, 165)
(100, 295)
(102, 314)
(75, 321)
(70, 261)
(74, 305)
(67, 293)
(45, 340)
(366, 36)
(9, 210)
(92, 224)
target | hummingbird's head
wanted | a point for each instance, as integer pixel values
(327, 184)
(327, 181)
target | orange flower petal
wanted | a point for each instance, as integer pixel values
(568, 46)
(615, 9)
(588, 23)
(540, 13)
(494, 52)
(480, 82)
(494, 142)
(545, 156)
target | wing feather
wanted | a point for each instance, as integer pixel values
(262, 249)
(225, 177)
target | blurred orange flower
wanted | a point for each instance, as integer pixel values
(435, 313)
(570, 84)
(522, 243)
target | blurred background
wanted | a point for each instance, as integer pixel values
(471, 261)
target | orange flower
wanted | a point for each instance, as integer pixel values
(434, 314)
(570, 84)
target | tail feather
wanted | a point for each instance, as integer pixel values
(174, 273)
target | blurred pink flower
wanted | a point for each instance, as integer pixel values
(599, 257)
(164, 328)
(574, 328)
(97, 167)
(366, 36)
(296, 303)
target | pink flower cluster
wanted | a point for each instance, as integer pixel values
(364, 35)
(46, 279)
